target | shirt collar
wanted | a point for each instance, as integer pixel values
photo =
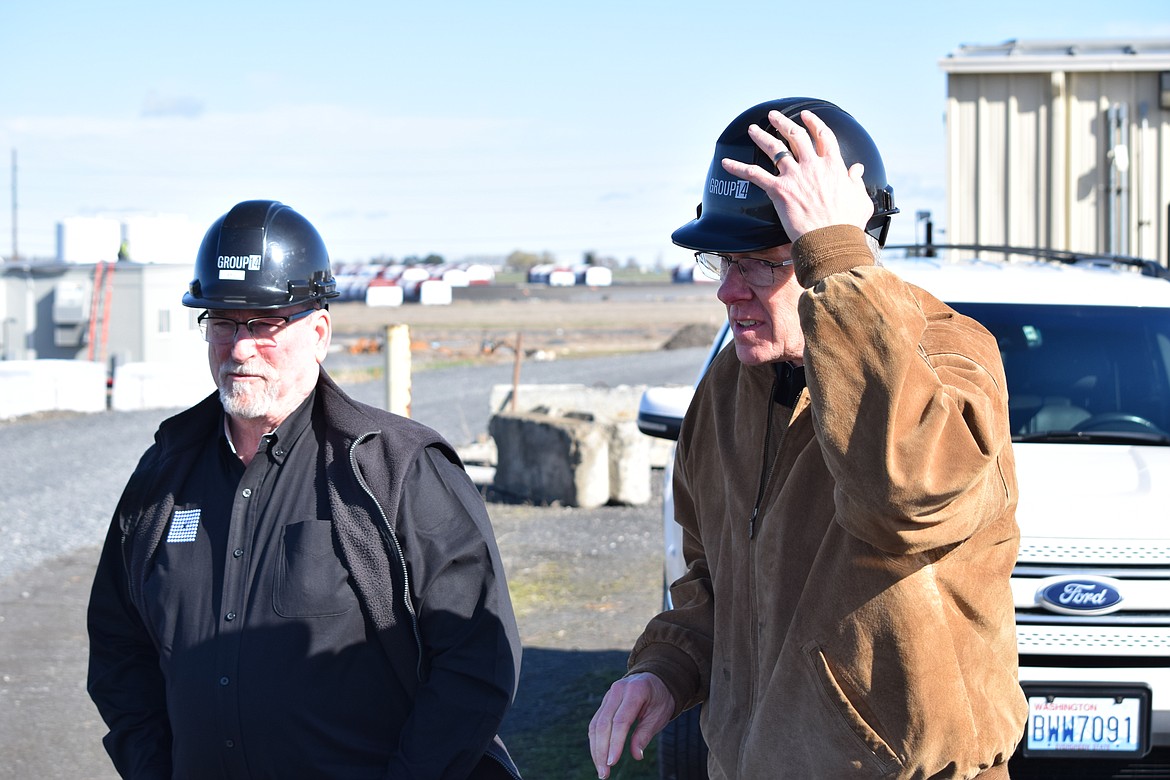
(789, 383)
(279, 441)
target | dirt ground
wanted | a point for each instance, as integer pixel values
(599, 320)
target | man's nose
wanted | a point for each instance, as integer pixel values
(243, 343)
(733, 287)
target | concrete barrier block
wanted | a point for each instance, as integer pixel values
(661, 451)
(548, 459)
(160, 385)
(605, 404)
(32, 386)
(629, 464)
(632, 454)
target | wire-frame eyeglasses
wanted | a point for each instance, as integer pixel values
(756, 271)
(262, 330)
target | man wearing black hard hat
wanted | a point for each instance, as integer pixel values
(295, 584)
(846, 487)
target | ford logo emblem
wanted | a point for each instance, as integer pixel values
(1079, 595)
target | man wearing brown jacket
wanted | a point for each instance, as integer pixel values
(846, 487)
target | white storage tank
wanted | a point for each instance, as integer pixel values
(383, 294)
(594, 276)
(434, 292)
(456, 277)
(561, 277)
(480, 273)
(162, 238)
(89, 240)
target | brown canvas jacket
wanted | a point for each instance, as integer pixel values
(864, 626)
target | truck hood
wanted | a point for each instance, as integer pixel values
(1077, 493)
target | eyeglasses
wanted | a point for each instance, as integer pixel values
(263, 330)
(756, 271)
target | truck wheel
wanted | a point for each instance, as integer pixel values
(682, 753)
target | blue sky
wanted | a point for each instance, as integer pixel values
(467, 128)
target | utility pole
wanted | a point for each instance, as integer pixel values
(15, 254)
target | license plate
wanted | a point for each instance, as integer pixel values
(1087, 721)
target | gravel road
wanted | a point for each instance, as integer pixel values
(67, 471)
(584, 581)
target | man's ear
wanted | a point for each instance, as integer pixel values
(323, 328)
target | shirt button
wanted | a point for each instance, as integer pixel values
(230, 616)
(236, 553)
(279, 453)
(246, 492)
(224, 681)
(229, 743)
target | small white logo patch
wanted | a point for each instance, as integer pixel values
(236, 276)
(184, 526)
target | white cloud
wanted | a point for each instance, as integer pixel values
(155, 105)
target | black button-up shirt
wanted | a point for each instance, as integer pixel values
(262, 635)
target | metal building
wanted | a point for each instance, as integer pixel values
(113, 313)
(1061, 145)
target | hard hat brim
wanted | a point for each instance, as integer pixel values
(728, 234)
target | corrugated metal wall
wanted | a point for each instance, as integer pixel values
(1076, 160)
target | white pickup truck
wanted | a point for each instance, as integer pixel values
(1086, 347)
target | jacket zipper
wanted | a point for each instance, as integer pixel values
(767, 467)
(513, 773)
(391, 539)
(766, 470)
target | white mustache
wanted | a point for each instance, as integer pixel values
(256, 369)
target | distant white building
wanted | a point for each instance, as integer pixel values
(146, 238)
(162, 238)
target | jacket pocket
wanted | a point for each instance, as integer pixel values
(859, 741)
(310, 581)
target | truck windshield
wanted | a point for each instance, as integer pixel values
(1083, 373)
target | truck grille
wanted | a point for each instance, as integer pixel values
(1139, 626)
(1094, 552)
(1093, 640)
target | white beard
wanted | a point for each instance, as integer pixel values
(243, 402)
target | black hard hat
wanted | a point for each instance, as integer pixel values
(737, 216)
(260, 255)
